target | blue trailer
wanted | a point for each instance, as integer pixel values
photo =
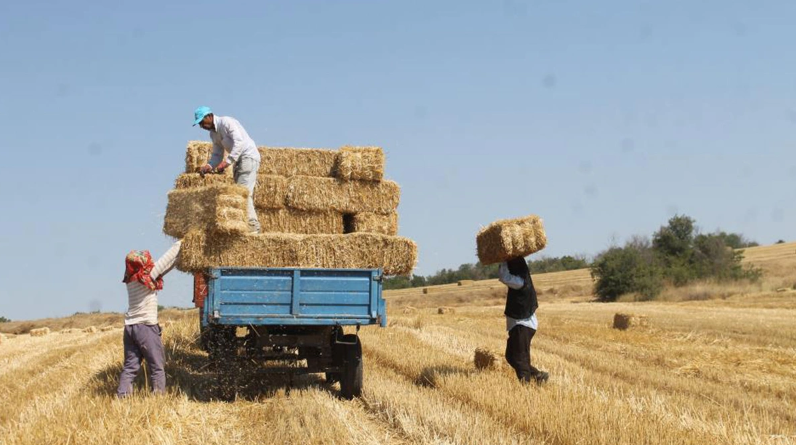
(291, 316)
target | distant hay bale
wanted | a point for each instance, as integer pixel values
(219, 209)
(466, 282)
(395, 255)
(782, 289)
(360, 163)
(193, 180)
(40, 332)
(90, 330)
(68, 331)
(270, 192)
(299, 221)
(428, 290)
(107, 328)
(510, 238)
(310, 193)
(446, 310)
(369, 222)
(486, 359)
(624, 321)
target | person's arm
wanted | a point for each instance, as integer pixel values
(508, 279)
(235, 133)
(165, 263)
(218, 154)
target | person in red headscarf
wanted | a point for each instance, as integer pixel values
(142, 333)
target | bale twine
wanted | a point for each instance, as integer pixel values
(90, 330)
(486, 359)
(446, 310)
(40, 332)
(624, 321)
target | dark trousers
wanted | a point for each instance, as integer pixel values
(142, 341)
(518, 352)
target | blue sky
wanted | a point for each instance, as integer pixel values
(605, 118)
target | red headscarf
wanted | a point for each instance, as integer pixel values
(138, 267)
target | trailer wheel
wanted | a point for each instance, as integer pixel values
(332, 377)
(351, 378)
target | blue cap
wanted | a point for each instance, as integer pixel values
(200, 114)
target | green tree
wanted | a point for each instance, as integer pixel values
(629, 269)
(4, 320)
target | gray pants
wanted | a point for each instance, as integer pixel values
(142, 341)
(245, 174)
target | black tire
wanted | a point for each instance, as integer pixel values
(351, 378)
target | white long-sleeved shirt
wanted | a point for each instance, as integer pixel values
(515, 282)
(230, 135)
(143, 301)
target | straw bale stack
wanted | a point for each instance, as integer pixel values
(487, 359)
(217, 208)
(369, 222)
(396, 255)
(40, 332)
(624, 321)
(297, 161)
(360, 163)
(313, 193)
(289, 220)
(510, 238)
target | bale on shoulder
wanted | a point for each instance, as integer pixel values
(510, 238)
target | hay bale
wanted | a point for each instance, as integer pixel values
(395, 255)
(624, 321)
(107, 328)
(271, 192)
(783, 289)
(193, 180)
(360, 163)
(510, 238)
(466, 282)
(285, 161)
(40, 332)
(446, 310)
(68, 331)
(428, 290)
(369, 222)
(487, 359)
(90, 330)
(310, 193)
(299, 221)
(196, 155)
(219, 209)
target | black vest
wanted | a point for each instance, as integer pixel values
(521, 303)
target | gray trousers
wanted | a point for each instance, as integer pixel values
(142, 341)
(245, 173)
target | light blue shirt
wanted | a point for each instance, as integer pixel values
(230, 135)
(515, 282)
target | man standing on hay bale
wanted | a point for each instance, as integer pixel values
(228, 135)
(144, 278)
(521, 323)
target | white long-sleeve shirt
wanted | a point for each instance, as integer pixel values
(515, 282)
(143, 301)
(230, 135)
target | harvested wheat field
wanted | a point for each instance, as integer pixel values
(702, 371)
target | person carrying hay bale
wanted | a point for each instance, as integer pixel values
(228, 134)
(144, 278)
(521, 322)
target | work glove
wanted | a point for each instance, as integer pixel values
(207, 168)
